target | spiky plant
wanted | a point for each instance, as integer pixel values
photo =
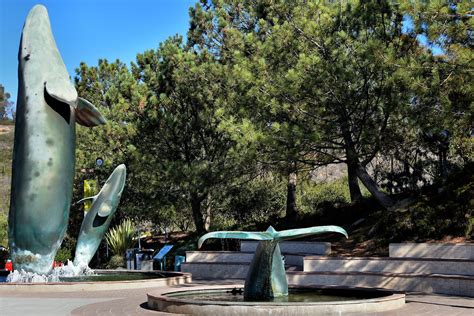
(120, 238)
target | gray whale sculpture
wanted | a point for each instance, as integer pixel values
(100, 214)
(266, 277)
(44, 147)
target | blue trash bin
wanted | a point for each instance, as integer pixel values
(177, 262)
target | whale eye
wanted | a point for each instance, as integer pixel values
(62, 108)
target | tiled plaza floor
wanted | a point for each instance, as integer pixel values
(133, 302)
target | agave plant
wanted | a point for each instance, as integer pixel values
(120, 238)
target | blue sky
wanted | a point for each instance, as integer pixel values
(86, 30)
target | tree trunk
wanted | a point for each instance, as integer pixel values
(291, 196)
(197, 215)
(373, 188)
(353, 181)
(352, 163)
(207, 216)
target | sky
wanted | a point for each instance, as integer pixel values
(87, 30)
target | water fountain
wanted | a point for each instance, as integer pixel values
(43, 171)
(266, 288)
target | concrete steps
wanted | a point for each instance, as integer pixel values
(294, 247)
(237, 256)
(222, 270)
(235, 264)
(428, 268)
(453, 274)
(460, 285)
(218, 256)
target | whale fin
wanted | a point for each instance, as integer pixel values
(87, 114)
(61, 89)
(235, 235)
(303, 232)
(93, 198)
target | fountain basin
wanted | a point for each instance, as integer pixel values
(105, 280)
(200, 300)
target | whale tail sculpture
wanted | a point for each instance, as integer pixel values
(266, 278)
(44, 147)
(100, 214)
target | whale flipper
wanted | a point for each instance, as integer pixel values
(93, 198)
(235, 235)
(303, 232)
(87, 114)
(61, 89)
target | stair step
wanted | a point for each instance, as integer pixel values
(437, 251)
(237, 256)
(389, 265)
(222, 270)
(307, 247)
(459, 285)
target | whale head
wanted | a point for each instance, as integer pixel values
(43, 69)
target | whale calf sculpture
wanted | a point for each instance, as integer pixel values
(266, 278)
(44, 147)
(98, 218)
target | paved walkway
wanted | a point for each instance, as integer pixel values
(133, 302)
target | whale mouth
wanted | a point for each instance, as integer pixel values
(62, 108)
(99, 220)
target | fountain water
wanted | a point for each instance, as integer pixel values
(68, 270)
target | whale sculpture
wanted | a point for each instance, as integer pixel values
(98, 218)
(266, 277)
(44, 147)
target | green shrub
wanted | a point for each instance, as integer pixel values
(3, 229)
(439, 212)
(120, 238)
(116, 261)
(63, 255)
(312, 196)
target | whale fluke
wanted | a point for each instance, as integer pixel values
(266, 277)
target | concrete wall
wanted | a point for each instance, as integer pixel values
(306, 247)
(218, 256)
(236, 257)
(425, 250)
(216, 270)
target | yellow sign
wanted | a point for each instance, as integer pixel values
(90, 189)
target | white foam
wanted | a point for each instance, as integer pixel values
(69, 270)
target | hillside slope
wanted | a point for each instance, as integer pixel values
(6, 147)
